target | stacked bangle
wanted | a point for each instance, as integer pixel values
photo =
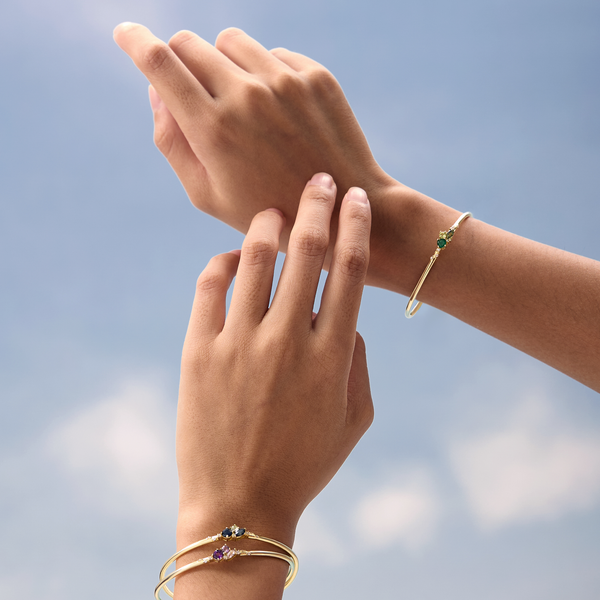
(443, 240)
(226, 553)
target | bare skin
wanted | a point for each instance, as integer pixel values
(272, 398)
(244, 128)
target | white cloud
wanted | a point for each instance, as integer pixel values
(119, 453)
(405, 512)
(537, 466)
(317, 539)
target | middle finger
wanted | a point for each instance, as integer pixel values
(307, 247)
(209, 66)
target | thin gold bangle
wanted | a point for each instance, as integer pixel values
(229, 533)
(443, 240)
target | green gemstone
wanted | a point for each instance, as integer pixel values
(441, 243)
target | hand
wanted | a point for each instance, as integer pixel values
(245, 128)
(274, 398)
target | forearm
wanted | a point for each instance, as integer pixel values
(541, 300)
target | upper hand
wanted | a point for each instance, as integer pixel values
(245, 128)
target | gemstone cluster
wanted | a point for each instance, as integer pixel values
(444, 238)
(224, 553)
(233, 532)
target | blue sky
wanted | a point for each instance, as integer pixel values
(484, 468)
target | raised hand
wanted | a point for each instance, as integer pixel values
(245, 128)
(272, 398)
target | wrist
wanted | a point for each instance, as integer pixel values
(258, 577)
(406, 224)
(195, 523)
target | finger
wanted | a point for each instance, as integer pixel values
(307, 247)
(343, 289)
(209, 308)
(173, 144)
(183, 94)
(295, 60)
(252, 289)
(210, 67)
(247, 53)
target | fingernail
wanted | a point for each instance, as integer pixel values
(357, 195)
(236, 252)
(155, 100)
(322, 179)
(276, 210)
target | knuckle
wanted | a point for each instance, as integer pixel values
(287, 83)
(228, 35)
(255, 95)
(311, 241)
(352, 262)
(322, 80)
(223, 130)
(196, 352)
(163, 140)
(210, 281)
(157, 56)
(359, 217)
(260, 251)
(320, 195)
(181, 38)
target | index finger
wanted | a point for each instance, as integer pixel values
(344, 286)
(183, 94)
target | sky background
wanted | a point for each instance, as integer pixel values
(483, 471)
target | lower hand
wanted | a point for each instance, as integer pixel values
(274, 398)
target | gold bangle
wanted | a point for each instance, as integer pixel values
(443, 240)
(225, 553)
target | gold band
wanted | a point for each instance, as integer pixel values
(443, 240)
(225, 553)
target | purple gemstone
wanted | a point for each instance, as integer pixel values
(218, 554)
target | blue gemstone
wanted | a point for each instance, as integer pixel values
(239, 532)
(226, 533)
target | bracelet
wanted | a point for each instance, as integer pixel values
(443, 240)
(226, 553)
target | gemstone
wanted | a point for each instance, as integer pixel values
(441, 243)
(239, 532)
(218, 554)
(225, 549)
(226, 533)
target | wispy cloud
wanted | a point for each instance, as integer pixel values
(319, 539)
(118, 454)
(537, 466)
(405, 512)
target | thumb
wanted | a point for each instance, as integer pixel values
(360, 409)
(173, 145)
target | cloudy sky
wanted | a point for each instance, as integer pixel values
(480, 478)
